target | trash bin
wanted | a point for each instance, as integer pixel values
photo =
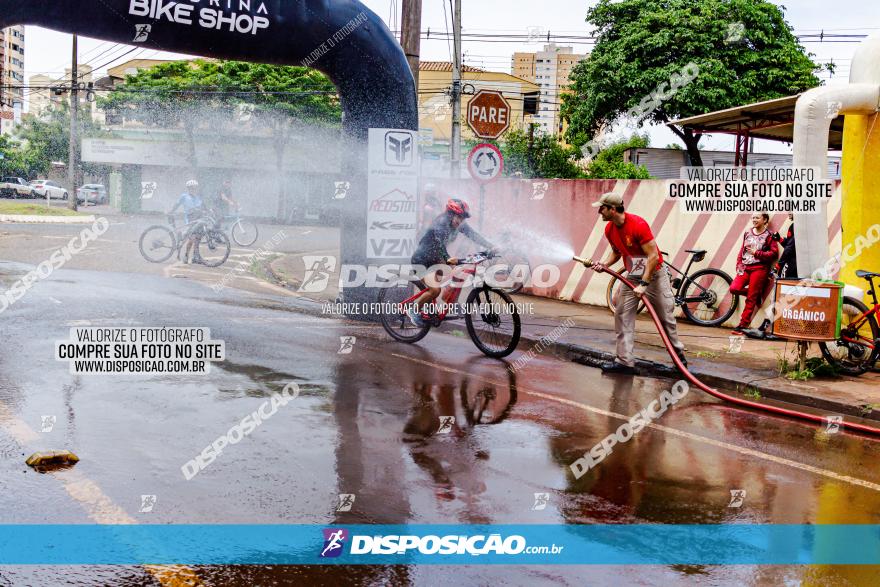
(807, 311)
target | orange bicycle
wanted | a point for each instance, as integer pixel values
(858, 347)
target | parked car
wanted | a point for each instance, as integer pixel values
(92, 193)
(42, 186)
(15, 187)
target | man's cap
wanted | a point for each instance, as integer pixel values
(609, 199)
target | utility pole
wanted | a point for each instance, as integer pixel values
(455, 158)
(73, 152)
(410, 34)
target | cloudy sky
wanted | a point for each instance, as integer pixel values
(48, 51)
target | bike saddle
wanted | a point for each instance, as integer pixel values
(866, 274)
(695, 251)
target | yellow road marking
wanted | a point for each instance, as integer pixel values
(97, 504)
(681, 433)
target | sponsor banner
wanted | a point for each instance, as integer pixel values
(392, 188)
(446, 544)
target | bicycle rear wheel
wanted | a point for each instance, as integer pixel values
(214, 248)
(492, 321)
(859, 351)
(157, 244)
(612, 294)
(393, 315)
(707, 299)
(244, 233)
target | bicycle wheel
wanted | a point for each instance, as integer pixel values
(856, 351)
(214, 248)
(492, 321)
(157, 244)
(393, 314)
(707, 299)
(511, 271)
(244, 233)
(612, 294)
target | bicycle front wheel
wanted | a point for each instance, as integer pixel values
(157, 244)
(492, 322)
(214, 248)
(856, 350)
(393, 314)
(707, 299)
(244, 233)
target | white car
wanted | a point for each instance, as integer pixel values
(42, 186)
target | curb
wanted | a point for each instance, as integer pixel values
(592, 357)
(32, 219)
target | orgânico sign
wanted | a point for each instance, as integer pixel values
(488, 114)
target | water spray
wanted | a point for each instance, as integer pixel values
(714, 392)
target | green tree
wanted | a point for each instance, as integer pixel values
(744, 51)
(44, 139)
(609, 163)
(230, 95)
(547, 157)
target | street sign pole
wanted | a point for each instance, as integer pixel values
(482, 204)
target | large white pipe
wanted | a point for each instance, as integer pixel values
(814, 112)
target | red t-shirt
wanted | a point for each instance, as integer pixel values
(629, 238)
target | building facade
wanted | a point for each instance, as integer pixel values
(11, 77)
(550, 70)
(49, 92)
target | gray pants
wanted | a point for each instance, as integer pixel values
(659, 294)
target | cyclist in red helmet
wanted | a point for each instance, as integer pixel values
(432, 248)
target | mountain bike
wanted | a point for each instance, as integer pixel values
(492, 320)
(158, 242)
(858, 347)
(704, 297)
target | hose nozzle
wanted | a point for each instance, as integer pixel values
(586, 262)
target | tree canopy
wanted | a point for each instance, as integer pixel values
(168, 94)
(741, 51)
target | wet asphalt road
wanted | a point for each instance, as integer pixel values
(365, 423)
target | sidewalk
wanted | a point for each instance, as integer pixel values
(591, 341)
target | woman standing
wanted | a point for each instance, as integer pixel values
(756, 258)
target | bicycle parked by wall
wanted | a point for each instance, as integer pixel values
(704, 297)
(159, 242)
(243, 232)
(858, 347)
(492, 320)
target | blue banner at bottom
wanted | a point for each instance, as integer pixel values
(447, 544)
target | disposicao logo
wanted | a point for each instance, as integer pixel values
(334, 539)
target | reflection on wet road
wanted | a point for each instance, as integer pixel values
(430, 433)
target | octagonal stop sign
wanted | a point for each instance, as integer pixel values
(488, 114)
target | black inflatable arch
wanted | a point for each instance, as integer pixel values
(341, 38)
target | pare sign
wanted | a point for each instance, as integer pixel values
(240, 18)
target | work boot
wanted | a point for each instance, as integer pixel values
(619, 368)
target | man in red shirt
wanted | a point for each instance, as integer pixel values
(631, 238)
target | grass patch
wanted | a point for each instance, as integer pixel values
(813, 367)
(707, 354)
(749, 391)
(32, 209)
(866, 409)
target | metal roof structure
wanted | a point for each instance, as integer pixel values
(772, 120)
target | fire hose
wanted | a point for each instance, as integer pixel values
(723, 396)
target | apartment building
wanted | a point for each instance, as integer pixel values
(11, 77)
(549, 69)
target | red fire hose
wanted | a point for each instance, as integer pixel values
(723, 396)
